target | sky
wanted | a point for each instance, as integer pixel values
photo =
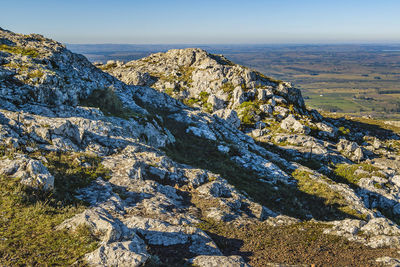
(205, 22)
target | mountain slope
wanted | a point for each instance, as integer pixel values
(157, 182)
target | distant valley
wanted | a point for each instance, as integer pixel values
(355, 79)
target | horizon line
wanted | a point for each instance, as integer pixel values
(290, 43)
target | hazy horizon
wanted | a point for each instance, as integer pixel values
(206, 22)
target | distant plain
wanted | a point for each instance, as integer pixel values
(353, 79)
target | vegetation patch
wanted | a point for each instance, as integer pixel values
(286, 199)
(35, 74)
(301, 243)
(347, 173)
(227, 87)
(185, 75)
(73, 171)
(344, 131)
(321, 190)
(201, 101)
(18, 67)
(248, 112)
(29, 216)
(19, 50)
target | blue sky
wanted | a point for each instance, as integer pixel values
(205, 22)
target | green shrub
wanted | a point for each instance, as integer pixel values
(204, 96)
(248, 111)
(344, 131)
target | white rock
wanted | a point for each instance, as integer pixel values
(291, 124)
(124, 254)
(217, 261)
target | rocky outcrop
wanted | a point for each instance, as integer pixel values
(172, 167)
(31, 172)
(209, 81)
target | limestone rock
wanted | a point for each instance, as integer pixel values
(215, 261)
(350, 149)
(31, 172)
(127, 253)
(230, 116)
(291, 124)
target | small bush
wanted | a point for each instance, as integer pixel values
(248, 111)
(344, 131)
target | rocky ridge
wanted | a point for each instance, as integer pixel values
(172, 167)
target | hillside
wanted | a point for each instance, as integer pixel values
(232, 170)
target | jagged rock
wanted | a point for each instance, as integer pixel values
(348, 228)
(377, 144)
(127, 253)
(36, 175)
(157, 232)
(99, 221)
(70, 131)
(264, 94)
(326, 130)
(196, 71)
(215, 261)
(216, 189)
(31, 172)
(350, 149)
(377, 233)
(223, 149)
(203, 132)
(230, 116)
(216, 103)
(281, 220)
(9, 166)
(283, 112)
(267, 109)
(238, 96)
(381, 226)
(396, 180)
(137, 78)
(291, 124)
(278, 100)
